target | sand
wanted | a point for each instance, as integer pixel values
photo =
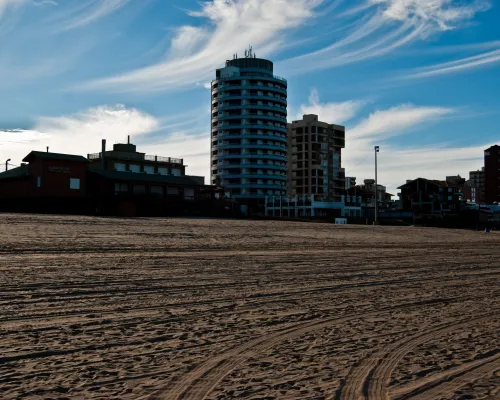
(98, 308)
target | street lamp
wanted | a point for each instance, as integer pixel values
(7, 164)
(377, 149)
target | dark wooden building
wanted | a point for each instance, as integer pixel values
(117, 182)
(424, 196)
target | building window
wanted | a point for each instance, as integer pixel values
(74, 183)
(189, 193)
(120, 167)
(121, 187)
(163, 171)
(173, 191)
(157, 190)
(134, 168)
(176, 172)
(149, 169)
(38, 181)
(139, 189)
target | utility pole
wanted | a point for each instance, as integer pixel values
(377, 149)
(7, 164)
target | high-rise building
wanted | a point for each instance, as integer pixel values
(474, 187)
(248, 141)
(492, 174)
(314, 159)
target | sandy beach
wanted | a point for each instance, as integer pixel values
(101, 308)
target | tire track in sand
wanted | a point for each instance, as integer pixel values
(199, 382)
(370, 378)
(446, 383)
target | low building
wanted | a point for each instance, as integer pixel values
(303, 207)
(350, 181)
(45, 181)
(117, 182)
(430, 197)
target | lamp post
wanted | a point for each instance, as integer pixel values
(7, 164)
(377, 149)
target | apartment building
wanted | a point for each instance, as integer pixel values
(315, 159)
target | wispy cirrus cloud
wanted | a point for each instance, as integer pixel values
(228, 27)
(382, 124)
(481, 60)
(386, 26)
(85, 12)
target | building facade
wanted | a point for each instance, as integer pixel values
(248, 138)
(475, 187)
(350, 181)
(315, 159)
(121, 182)
(430, 197)
(492, 174)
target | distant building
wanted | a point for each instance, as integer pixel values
(249, 125)
(350, 181)
(424, 196)
(474, 190)
(492, 174)
(315, 159)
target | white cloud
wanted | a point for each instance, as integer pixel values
(385, 123)
(86, 12)
(78, 133)
(398, 163)
(385, 27)
(438, 14)
(6, 4)
(333, 113)
(481, 60)
(230, 27)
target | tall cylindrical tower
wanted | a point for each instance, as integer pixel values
(249, 130)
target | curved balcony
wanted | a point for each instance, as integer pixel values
(266, 77)
(255, 186)
(253, 107)
(250, 126)
(283, 168)
(248, 97)
(247, 86)
(227, 175)
(250, 146)
(252, 117)
(262, 136)
(249, 157)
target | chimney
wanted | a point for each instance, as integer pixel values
(128, 139)
(103, 151)
(47, 149)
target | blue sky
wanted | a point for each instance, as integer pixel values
(419, 78)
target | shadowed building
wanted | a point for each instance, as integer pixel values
(315, 159)
(492, 174)
(248, 138)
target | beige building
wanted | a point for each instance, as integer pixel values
(315, 159)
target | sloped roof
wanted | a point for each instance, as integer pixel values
(435, 182)
(54, 156)
(15, 172)
(126, 176)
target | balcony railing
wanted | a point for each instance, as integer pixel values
(121, 155)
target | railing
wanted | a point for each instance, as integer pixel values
(135, 156)
(164, 159)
